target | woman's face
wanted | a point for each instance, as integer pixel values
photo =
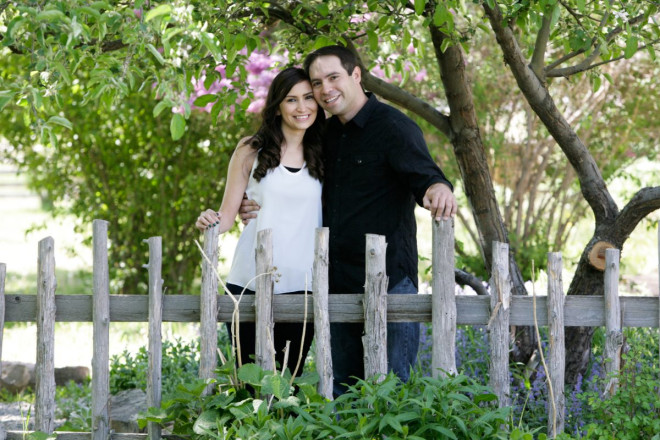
(298, 108)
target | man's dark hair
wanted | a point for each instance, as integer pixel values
(347, 58)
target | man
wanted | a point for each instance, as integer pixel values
(377, 166)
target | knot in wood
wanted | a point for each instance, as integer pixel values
(372, 252)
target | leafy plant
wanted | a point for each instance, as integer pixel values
(180, 364)
(633, 412)
(73, 403)
(263, 405)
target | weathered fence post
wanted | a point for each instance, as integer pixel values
(101, 330)
(208, 308)
(500, 299)
(443, 309)
(3, 275)
(154, 379)
(557, 351)
(44, 417)
(264, 345)
(614, 339)
(375, 307)
(321, 315)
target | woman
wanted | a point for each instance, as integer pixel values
(280, 167)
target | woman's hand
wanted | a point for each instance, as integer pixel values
(207, 219)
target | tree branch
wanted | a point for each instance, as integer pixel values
(542, 38)
(644, 202)
(408, 101)
(468, 279)
(592, 184)
(586, 63)
(579, 68)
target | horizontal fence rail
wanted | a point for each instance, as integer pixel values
(580, 311)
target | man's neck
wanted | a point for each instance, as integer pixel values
(362, 100)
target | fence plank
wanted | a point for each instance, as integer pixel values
(154, 378)
(44, 410)
(443, 308)
(556, 340)
(264, 349)
(614, 339)
(321, 316)
(101, 331)
(375, 307)
(3, 275)
(500, 300)
(579, 310)
(208, 306)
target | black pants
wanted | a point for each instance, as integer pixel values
(283, 331)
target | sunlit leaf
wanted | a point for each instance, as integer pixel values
(158, 11)
(177, 126)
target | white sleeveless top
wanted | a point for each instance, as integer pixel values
(291, 206)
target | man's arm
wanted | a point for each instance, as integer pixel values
(248, 210)
(440, 200)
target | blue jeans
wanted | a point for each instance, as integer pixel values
(348, 354)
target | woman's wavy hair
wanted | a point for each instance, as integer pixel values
(269, 136)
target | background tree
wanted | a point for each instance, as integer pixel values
(124, 48)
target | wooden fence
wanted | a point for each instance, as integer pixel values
(443, 308)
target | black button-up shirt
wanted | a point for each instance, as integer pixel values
(377, 166)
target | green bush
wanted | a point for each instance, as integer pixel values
(633, 412)
(250, 403)
(180, 364)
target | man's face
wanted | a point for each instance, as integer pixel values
(335, 90)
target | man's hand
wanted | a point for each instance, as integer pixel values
(440, 201)
(248, 210)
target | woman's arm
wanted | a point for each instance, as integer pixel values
(238, 175)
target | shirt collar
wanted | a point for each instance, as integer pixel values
(361, 118)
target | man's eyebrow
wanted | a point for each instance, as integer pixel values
(329, 74)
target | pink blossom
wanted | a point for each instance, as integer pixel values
(138, 13)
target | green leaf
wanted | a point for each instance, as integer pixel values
(596, 83)
(631, 47)
(581, 5)
(4, 100)
(158, 109)
(373, 40)
(155, 53)
(59, 120)
(419, 6)
(205, 422)
(239, 41)
(51, 15)
(90, 11)
(203, 100)
(250, 373)
(177, 126)
(14, 25)
(445, 44)
(276, 385)
(157, 12)
(439, 16)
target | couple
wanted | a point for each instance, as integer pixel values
(374, 165)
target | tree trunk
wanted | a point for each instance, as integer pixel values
(478, 184)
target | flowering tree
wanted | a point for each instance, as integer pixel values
(112, 51)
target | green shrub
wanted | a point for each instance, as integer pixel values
(180, 364)
(633, 412)
(250, 403)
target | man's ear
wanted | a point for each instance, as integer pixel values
(357, 73)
